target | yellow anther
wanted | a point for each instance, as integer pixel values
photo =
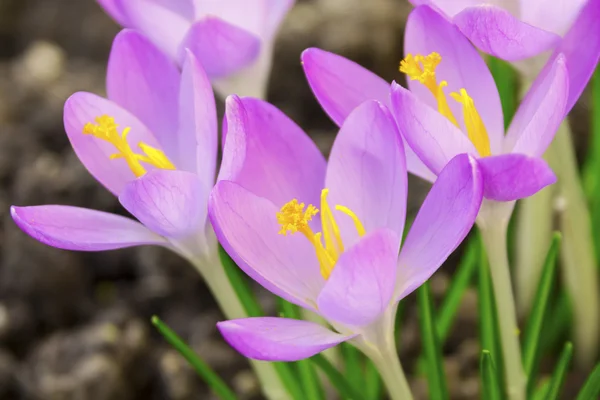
(422, 68)
(473, 123)
(106, 129)
(295, 217)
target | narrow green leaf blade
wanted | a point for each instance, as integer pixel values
(215, 383)
(558, 376)
(591, 387)
(533, 331)
(592, 162)
(353, 370)
(373, 381)
(489, 378)
(341, 384)
(431, 345)
(506, 80)
(240, 285)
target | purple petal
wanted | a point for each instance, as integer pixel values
(557, 18)
(445, 218)
(511, 177)
(221, 48)
(268, 154)
(461, 66)
(197, 135)
(431, 135)
(540, 113)
(142, 80)
(164, 22)
(171, 203)
(367, 171)
(340, 85)
(74, 228)
(278, 339)
(95, 153)
(115, 10)
(362, 283)
(448, 7)
(581, 59)
(246, 225)
(496, 31)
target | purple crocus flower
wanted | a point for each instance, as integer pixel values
(153, 143)
(232, 39)
(327, 236)
(442, 62)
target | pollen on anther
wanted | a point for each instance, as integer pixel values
(294, 218)
(421, 68)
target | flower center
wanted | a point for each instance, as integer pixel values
(294, 217)
(105, 128)
(422, 68)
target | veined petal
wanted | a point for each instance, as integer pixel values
(496, 31)
(268, 154)
(540, 113)
(142, 80)
(246, 225)
(278, 339)
(367, 171)
(164, 22)
(461, 67)
(341, 85)
(221, 48)
(362, 283)
(197, 136)
(431, 135)
(514, 176)
(95, 153)
(445, 218)
(74, 228)
(170, 203)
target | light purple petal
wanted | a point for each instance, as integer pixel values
(246, 225)
(431, 135)
(171, 203)
(278, 339)
(461, 66)
(221, 48)
(95, 153)
(340, 85)
(164, 22)
(581, 49)
(268, 154)
(115, 10)
(362, 283)
(511, 177)
(367, 171)
(448, 7)
(142, 80)
(540, 113)
(74, 228)
(556, 17)
(445, 218)
(197, 138)
(496, 31)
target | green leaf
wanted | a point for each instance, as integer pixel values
(533, 331)
(431, 345)
(558, 376)
(213, 381)
(489, 377)
(591, 387)
(488, 319)
(506, 81)
(372, 381)
(592, 162)
(353, 360)
(542, 391)
(341, 384)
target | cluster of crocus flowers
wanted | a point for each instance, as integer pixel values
(232, 39)
(326, 236)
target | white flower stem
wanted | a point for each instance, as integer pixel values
(214, 275)
(493, 232)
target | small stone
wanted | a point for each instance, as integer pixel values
(42, 63)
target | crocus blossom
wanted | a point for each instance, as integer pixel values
(453, 106)
(232, 39)
(153, 143)
(327, 236)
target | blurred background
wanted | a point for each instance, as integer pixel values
(76, 325)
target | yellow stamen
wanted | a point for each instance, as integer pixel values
(293, 217)
(422, 68)
(107, 129)
(473, 123)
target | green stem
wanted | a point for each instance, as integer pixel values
(493, 232)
